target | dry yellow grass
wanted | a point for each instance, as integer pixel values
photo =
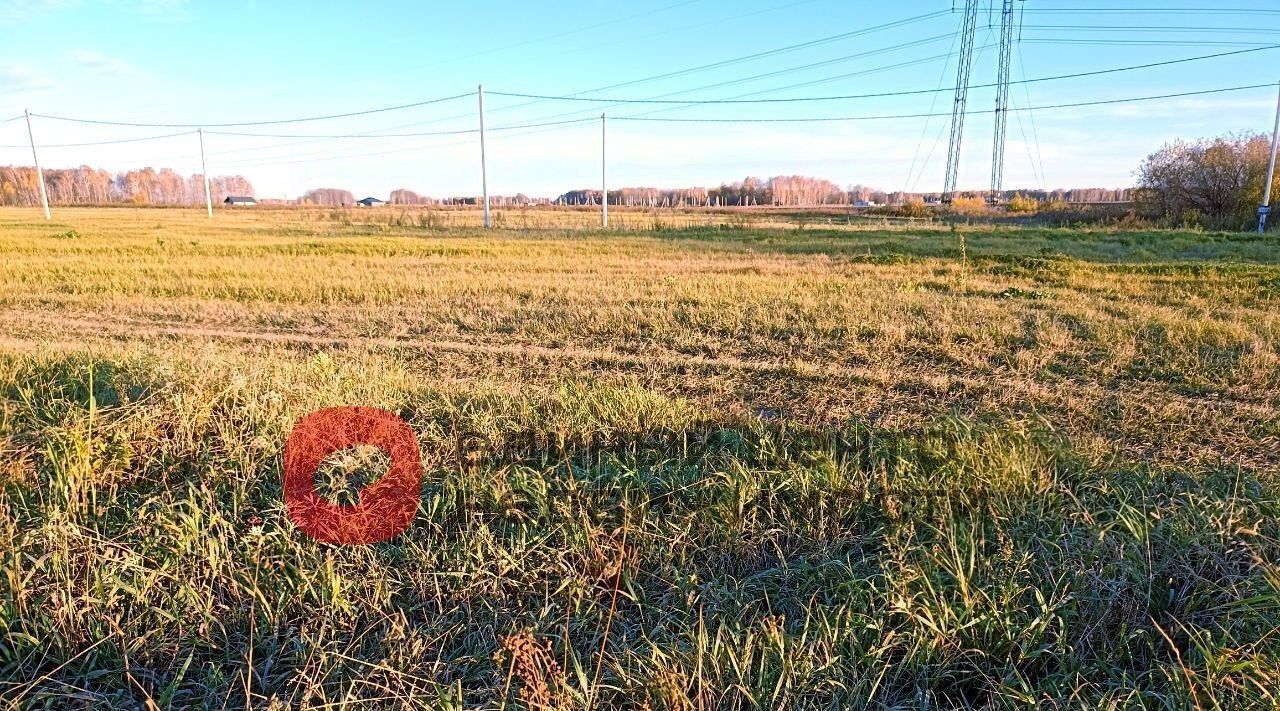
(704, 463)
(891, 324)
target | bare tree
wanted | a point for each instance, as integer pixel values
(328, 196)
(1217, 182)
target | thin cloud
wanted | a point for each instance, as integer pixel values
(14, 12)
(21, 78)
(101, 64)
(169, 10)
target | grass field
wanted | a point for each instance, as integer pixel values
(690, 465)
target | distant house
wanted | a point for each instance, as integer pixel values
(238, 200)
(370, 202)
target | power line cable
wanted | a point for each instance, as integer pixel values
(400, 149)
(805, 67)
(616, 100)
(399, 135)
(373, 133)
(365, 112)
(290, 159)
(850, 75)
(883, 68)
(757, 55)
(735, 60)
(345, 135)
(525, 127)
(933, 102)
(318, 158)
(730, 82)
(612, 44)
(1144, 43)
(979, 50)
(321, 155)
(316, 138)
(1059, 10)
(593, 116)
(1151, 10)
(555, 125)
(826, 119)
(942, 131)
(499, 128)
(1026, 142)
(105, 143)
(880, 95)
(748, 57)
(523, 43)
(773, 52)
(719, 22)
(1154, 28)
(1031, 115)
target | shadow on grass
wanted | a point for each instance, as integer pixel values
(1143, 247)
(739, 562)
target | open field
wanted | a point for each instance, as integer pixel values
(678, 466)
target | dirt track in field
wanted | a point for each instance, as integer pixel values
(842, 389)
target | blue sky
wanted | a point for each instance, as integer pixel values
(176, 61)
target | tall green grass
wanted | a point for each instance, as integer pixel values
(662, 556)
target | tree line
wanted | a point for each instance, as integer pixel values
(147, 186)
(409, 197)
(802, 191)
(782, 190)
(94, 186)
(778, 190)
(327, 196)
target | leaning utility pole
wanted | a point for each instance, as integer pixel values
(204, 170)
(1271, 174)
(44, 195)
(1002, 102)
(484, 177)
(968, 25)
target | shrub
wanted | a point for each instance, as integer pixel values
(969, 206)
(913, 207)
(1023, 203)
(1216, 182)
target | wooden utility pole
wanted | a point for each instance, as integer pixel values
(204, 170)
(35, 157)
(484, 177)
(604, 182)
(1271, 174)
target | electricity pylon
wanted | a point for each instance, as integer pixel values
(968, 26)
(1002, 101)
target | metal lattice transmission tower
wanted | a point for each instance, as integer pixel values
(967, 28)
(1002, 101)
